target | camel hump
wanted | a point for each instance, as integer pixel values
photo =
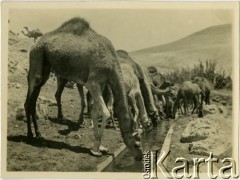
(75, 25)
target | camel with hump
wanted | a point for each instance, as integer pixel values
(32, 34)
(77, 53)
(187, 93)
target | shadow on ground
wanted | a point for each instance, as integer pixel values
(48, 143)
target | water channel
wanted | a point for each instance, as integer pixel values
(151, 141)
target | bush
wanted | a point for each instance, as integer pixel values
(207, 70)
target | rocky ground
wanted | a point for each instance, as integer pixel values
(195, 137)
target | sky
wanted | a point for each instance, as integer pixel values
(132, 29)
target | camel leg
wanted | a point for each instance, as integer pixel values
(142, 112)
(37, 77)
(207, 98)
(195, 104)
(185, 106)
(99, 111)
(110, 106)
(83, 105)
(61, 82)
(89, 99)
(133, 105)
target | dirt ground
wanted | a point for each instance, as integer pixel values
(65, 147)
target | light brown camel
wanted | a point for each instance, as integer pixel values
(77, 53)
(32, 34)
(135, 99)
(146, 86)
(189, 92)
(205, 86)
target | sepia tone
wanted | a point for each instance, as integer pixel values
(91, 89)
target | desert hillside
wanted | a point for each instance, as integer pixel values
(211, 43)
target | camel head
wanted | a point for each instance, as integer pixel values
(166, 84)
(146, 123)
(134, 144)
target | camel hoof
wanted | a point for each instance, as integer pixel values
(103, 149)
(116, 128)
(61, 118)
(39, 136)
(80, 122)
(30, 135)
(95, 153)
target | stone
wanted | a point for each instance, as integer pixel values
(198, 129)
(210, 109)
(223, 102)
(217, 145)
(20, 114)
(23, 50)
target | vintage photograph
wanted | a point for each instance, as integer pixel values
(147, 89)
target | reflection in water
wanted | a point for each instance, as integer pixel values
(151, 141)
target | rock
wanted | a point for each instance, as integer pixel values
(20, 114)
(198, 129)
(23, 50)
(217, 145)
(42, 109)
(221, 108)
(15, 85)
(223, 102)
(210, 109)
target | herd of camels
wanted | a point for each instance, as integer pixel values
(117, 85)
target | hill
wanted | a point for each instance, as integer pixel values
(211, 43)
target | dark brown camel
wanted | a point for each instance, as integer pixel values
(189, 92)
(205, 86)
(77, 53)
(159, 82)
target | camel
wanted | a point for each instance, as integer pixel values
(77, 53)
(146, 86)
(32, 34)
(159, 82)
(188, 92)
(107, 95)
(135, 99)
(204, 86)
